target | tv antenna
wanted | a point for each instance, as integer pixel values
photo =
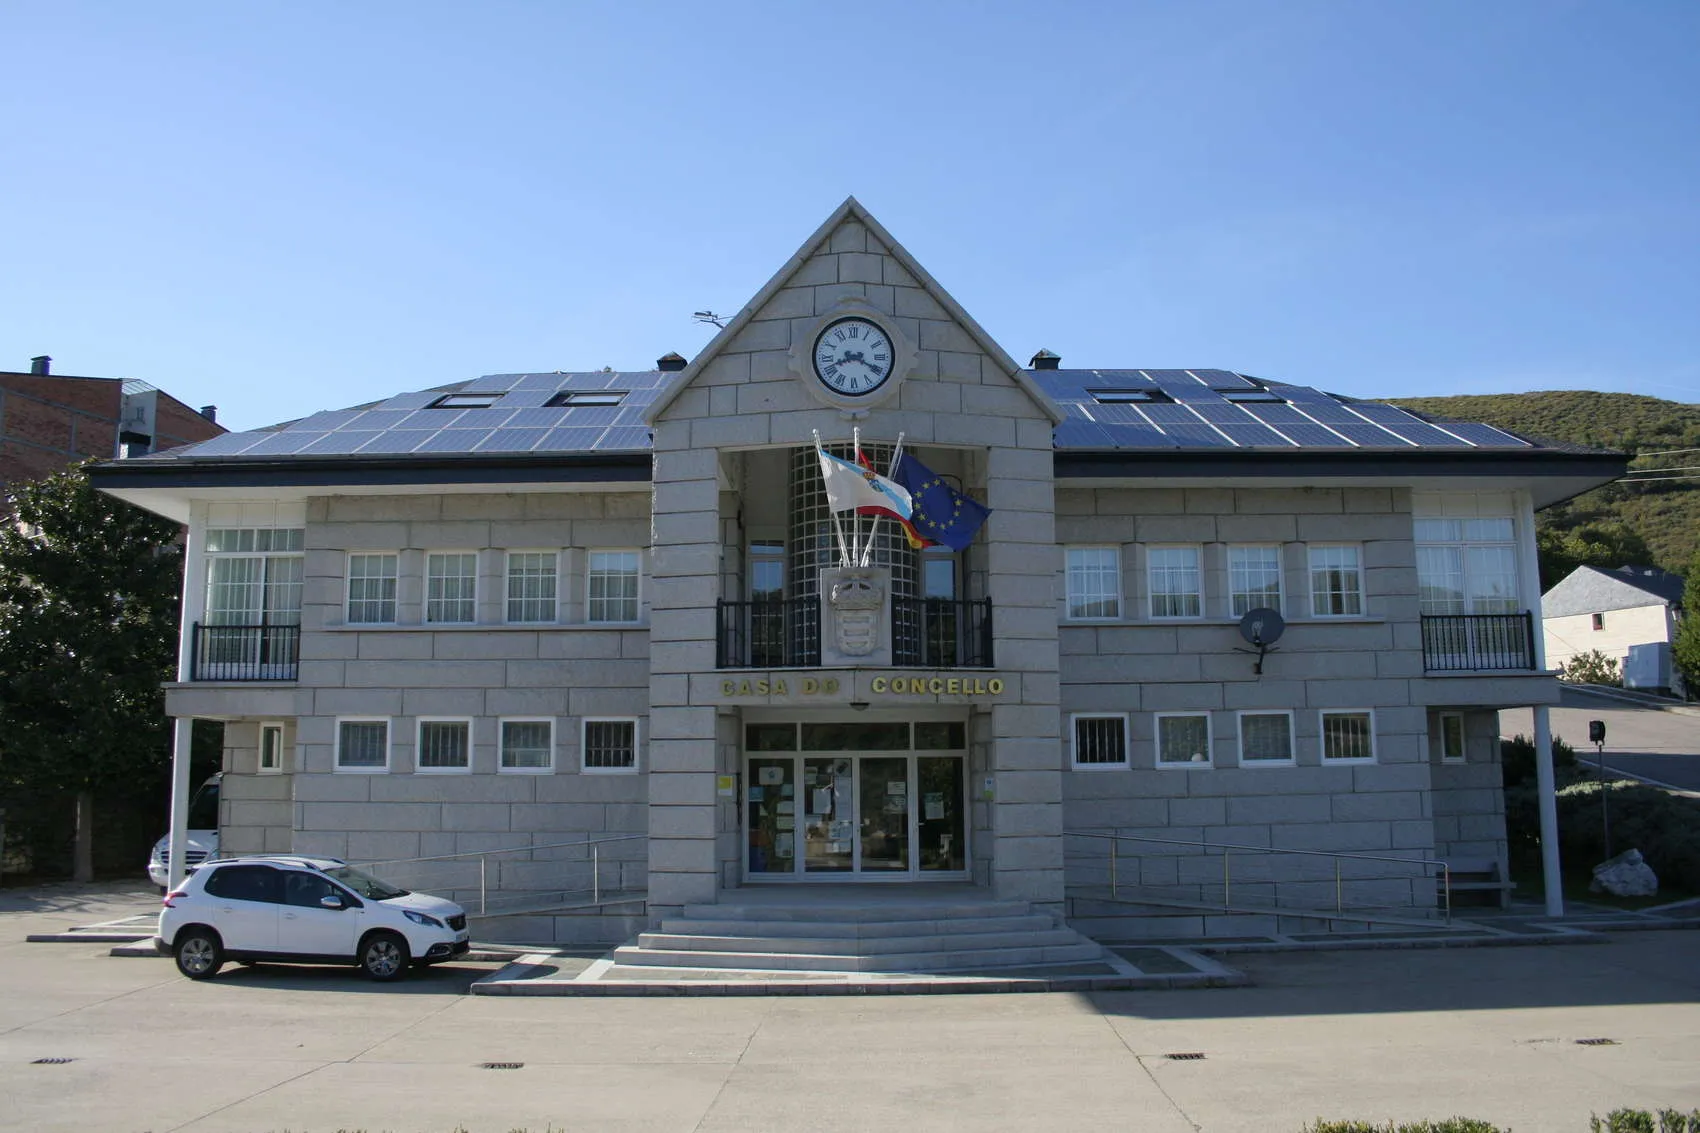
(718, 321)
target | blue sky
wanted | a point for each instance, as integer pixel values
(278, 208)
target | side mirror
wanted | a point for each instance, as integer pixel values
(331, 901)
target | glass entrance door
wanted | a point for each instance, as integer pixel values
(855, 815)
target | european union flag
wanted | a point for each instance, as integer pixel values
(941, 513)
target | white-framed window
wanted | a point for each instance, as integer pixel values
(1183, 739)
(371, 588)
(611, 585)
(271, 748)
(1100, 740)
(1336, 581)
(1348, 735)
(1467, 566)
(527, 745)
(609, 744)
(444, 745)
(451, 587)
(1452, 737)
(363, 744)
(1174, 582)
(1254, 577)
(254, 575)
(1266, 737)
(767, 570)
(533, 586)
(1093, 582)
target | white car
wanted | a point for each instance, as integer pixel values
(202, 842)
(304, 910)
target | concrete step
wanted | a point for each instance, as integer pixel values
(861, 909)
(856, 946)
(836, 929)
(936, 961)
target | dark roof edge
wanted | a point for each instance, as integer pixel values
(1232, 462)
(591, 468)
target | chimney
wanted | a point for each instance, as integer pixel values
(1045, 360)
(41, 364)
(670, 361)
(210, 412)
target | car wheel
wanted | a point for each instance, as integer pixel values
(200, 953)
(383, 956)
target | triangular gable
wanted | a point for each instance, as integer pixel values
(852, 209)
(1590, 590)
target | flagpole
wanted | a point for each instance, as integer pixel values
(857, 546)
(837, 524)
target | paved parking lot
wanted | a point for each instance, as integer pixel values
(1383, 1034)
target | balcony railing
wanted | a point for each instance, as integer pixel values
(1454, 642)
(941, 633)
(245, 653)
(931, 633)
(768, 633)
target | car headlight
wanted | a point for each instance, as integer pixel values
(422, 919)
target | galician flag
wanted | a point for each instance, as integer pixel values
(850, 487)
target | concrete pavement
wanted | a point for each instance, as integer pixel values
(1378, 1035)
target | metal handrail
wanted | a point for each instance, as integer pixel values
(1478, 642)
(1228, 847)
(594, 844)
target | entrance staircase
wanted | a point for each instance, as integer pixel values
(850, 929)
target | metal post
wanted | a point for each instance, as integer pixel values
(1446, 870)
(1112, 866)
(483, 887)
(1547, 798)
(1339, 900)
(1224, 881)
(595, 874)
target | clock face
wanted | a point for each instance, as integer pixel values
(852, 356)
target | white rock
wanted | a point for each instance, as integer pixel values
(1626, 875)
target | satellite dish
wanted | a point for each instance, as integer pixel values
(1262, 627)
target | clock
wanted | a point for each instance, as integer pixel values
(852, 356)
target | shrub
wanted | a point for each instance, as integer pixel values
(1517, 761)
(1640, 1121)
(1663, 826)
(1592, 668)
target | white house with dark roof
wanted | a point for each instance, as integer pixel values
(611, 609)
(1631, 608)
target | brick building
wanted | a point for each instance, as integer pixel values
(48, 421)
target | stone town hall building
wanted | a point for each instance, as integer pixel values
(532, 609)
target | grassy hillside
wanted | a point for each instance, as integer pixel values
(1666, 514)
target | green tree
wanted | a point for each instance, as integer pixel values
(1685, 651)
(88, 630)
(1606, 546)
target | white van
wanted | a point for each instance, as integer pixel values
(203, 834)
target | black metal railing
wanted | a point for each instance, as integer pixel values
(941, 633)
(245, 653)
(1453, 642)
(930, 633)
(768, 633)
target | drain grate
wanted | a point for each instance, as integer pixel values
(56, 1060)
(1596, 1042)
(1186, 1056)
(501, 1065)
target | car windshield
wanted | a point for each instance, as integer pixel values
(364, 883)
(203, 811)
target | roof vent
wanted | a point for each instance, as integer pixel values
(671, 361)
(1045, 360)
(41, 364)
(210, 412)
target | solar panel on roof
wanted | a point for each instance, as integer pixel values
(1371, 436)
(536, 418)
(377, 419)
(1308, 434)
(284, 443)
(326, 419)
(624, 438)
(394, 441)
(1138, 437)
(1117, 414)
(1220, 412)
(532, 382)
(1195, 394)
(570, 439)
(629, 415)
(491, 383)
(430, 419)
(453, 440)
(1196, 434)
(484, 418)
(343, 442)
(1484, 436)
(512, 440)
(1249, 434)
(411, 400)
(1164, 377)
(227, 445)
(1328, 412)
(524, 398)
(1074, 433)
(1223, 379)
(591, 415)
(641, 397)
(1423, 434)
(1277, 415)
(1165, 414)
